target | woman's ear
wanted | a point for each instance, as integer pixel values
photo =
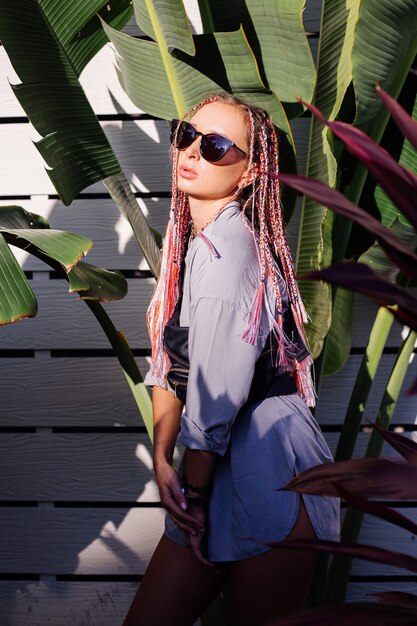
(249, 176)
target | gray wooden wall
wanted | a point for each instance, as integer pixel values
(79, 514)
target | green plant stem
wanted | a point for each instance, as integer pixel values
(149, 240)
(127, 362)
(341, 566)
(167, 61)
(364, 379)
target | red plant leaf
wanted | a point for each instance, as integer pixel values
(399, 598)
(362, 613)
(369, 478)
(404, 121)
(405, 446)
(379, 510)
(395, 249)
(398, 183)
(359, 277)
(356, 550)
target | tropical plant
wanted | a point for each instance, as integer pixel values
(400, 185)
(356, 481)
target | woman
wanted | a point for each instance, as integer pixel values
(228, 283)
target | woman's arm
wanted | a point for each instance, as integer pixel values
(167, 411)
(166, 417)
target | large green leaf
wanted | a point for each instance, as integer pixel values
(96, 283)
(12, 216)
(61, 246)
(73, 144)
(17, 299)
(276, 36)
(168, 20)
(339, 337)
(176, 83)
(76, 26)
(334, 74)
(139, 63)
(384, 50)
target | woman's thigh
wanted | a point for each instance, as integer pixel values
(274, 583)
(175, 590)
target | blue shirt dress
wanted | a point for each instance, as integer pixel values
(269, 442)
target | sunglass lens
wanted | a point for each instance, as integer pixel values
(214, 147)
(185, 135)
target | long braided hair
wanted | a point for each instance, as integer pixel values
(261, 208)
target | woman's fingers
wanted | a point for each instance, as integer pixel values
(186, 528)
(195, 543)
(182, 516)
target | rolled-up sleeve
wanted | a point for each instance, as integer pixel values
(221, 370)
(150, 381)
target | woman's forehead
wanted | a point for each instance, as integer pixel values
(225, 119)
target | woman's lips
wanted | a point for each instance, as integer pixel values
(187, 172)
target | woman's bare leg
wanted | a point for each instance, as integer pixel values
(275, 583)
(175, 590)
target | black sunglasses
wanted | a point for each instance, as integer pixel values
(213, 147)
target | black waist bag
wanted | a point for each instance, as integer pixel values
(265, 383)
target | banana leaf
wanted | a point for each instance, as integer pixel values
(375, 57)
(334, 74)
(276, 36)
(73, 144)
(176, 83)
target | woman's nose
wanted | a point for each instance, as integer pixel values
(193, 151)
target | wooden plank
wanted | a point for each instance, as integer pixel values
(365, 312)
(140, 145)
(311, 15)
(99, 219)
(106, 603)
(92, 392)
(118, 541)
(83, 392)
(65, 603)
(110, 466)
(114, 466)
(65, 322)
(87, 541)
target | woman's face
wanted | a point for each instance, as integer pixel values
(214, 181)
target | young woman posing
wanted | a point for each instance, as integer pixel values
(227, 286)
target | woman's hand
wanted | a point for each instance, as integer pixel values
(197, 542)
(174, 500)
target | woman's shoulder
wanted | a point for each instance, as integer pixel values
(232, 239)
(225, 263)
